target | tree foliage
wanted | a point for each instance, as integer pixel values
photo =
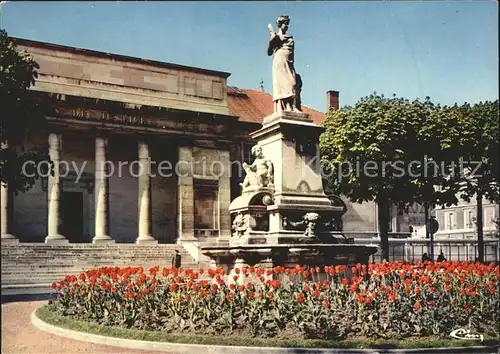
(480, 135)
(393, 150)
(481, 141)
(23, 114)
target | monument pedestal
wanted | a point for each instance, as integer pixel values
(290, 142)
(283, 217)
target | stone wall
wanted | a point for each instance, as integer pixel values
(203, 166)
(206, 206)
(360, 217)
(71, 71)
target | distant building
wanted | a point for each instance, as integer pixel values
(459, 221)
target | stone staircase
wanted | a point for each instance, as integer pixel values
(38, 264)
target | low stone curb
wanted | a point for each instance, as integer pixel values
(179, 348)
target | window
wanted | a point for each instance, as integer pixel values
(449, 220)
(469, 219)
(206, 205)
(489, 217)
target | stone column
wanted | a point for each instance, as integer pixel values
(144, 197)
(224, 198)
(6, 214)
(54, 192)
(7, 210)
(185, 194)
(101, 193)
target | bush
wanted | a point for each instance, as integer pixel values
(389, 300)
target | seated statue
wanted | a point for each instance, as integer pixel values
(260, 172)
(240, 224)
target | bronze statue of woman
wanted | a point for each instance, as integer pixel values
(286, 82)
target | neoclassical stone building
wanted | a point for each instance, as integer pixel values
(184, 122)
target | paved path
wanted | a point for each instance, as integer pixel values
(19, 335)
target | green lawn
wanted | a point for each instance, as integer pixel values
(46, 314)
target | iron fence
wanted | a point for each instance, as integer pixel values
(403, 248)
(410, 250)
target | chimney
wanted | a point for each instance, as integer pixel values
(332, 100)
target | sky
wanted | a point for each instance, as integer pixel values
(447, 50)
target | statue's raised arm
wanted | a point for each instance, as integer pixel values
(272, 32)
(286, 91)
(272, 40)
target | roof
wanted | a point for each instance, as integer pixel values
(253, 105)
(118, 57)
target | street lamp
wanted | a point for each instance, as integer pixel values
(432, 226)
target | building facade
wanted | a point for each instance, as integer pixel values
(459, 221)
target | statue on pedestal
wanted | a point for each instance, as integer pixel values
(287, 84)
(260, 173)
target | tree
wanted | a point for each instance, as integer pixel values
(440, 138)
(480, 137)
(23, 114)
(381, 150)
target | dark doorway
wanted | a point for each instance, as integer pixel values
(72, 216)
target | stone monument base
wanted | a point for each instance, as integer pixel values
(287, 237)
(283, 216)
(288, 256)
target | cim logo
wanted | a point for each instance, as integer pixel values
(461, 333)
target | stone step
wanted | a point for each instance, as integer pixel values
(95, 255)
(63, 273)
(35, 264)
(42, 276)
(38, 278)
(131, 250)
(87, 252)
(108, 261)
(120, 262)
(79, 251)
(102, 256)
(64, 268)
(93, 258)
(88, 246)
(73, 269)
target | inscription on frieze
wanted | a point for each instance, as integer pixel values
(94, 115)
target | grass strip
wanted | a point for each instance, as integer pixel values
(48, 315)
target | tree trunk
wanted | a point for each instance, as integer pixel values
(479, 225)
(426, 217)
(383, 226)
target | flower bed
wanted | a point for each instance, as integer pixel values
(390, 300)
